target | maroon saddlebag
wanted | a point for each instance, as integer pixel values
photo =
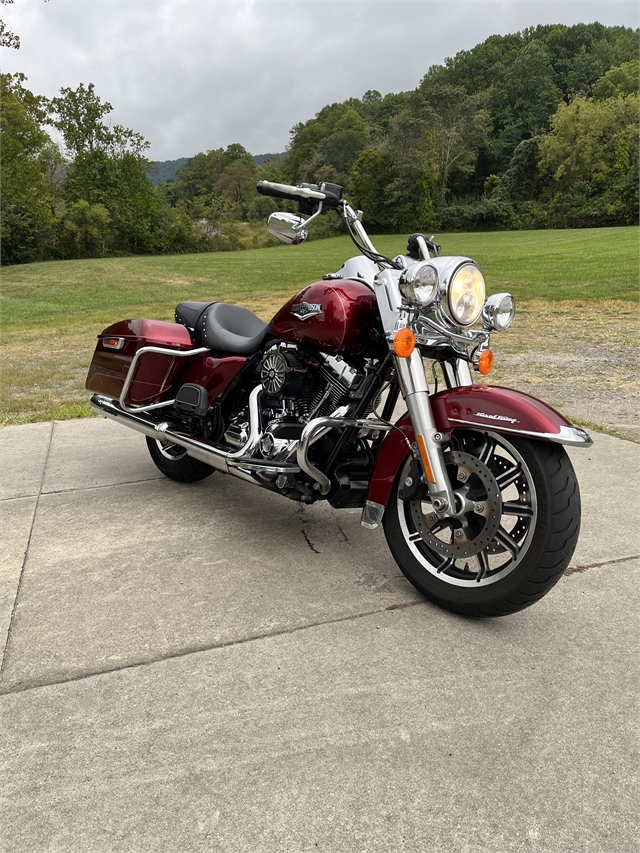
(155, 373)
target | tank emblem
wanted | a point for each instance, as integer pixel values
(304, 310)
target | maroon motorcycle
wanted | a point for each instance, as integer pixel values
(477, 497)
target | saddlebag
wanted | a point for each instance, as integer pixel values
(155, 373)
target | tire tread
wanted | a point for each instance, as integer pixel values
(561, 537)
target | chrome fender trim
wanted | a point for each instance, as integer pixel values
(572, 435)
(518, 415)
(505, 410)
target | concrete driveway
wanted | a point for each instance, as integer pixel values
(211, 667)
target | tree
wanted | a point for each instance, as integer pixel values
(78, 115)
(200, 176)
(621, 80)
(238, 182)
(591, 157)
(587, 137)
(519, 182)
(84, 230)
(523, 99)
(7, 38)
(341, 148)
(369, 181)
(455, 127)
(108, 169)
(28, 154)
(409, 149)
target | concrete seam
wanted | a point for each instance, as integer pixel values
(26, 553)
(195, 650)
(105, 486)
(85, 488)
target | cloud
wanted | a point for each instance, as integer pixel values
(192, 75)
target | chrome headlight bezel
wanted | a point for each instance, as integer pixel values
(439, 305)
(498, 312)
(459, 286)
(419, 284)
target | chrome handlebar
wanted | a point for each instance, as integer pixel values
(287, 191)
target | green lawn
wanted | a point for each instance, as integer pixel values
(52, 312)
(594, 264)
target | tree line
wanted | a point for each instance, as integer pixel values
(531, 130)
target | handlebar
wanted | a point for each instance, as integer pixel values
(287, 191)
(313, 199)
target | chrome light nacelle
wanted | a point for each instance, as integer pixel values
(498, 312)
(453, 286)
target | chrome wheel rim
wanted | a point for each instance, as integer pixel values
(496, 515)
(170, 450)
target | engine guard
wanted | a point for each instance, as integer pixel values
(485, 407)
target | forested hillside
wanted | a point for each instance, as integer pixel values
(165, 170)
(535, 129)
(532, 130)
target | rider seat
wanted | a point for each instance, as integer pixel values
(222, 327)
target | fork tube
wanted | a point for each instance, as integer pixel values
(456, 373)
(415, 391)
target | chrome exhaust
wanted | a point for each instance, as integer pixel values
(240, 463)
(227, 462)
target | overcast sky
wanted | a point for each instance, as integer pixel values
(192, 75)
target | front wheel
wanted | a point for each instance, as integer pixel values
(516, 525)
(172, 460)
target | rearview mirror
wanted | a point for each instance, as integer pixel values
(287, 227)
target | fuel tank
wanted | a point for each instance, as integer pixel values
(332, 316)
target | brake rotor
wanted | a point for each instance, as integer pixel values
(479, 506)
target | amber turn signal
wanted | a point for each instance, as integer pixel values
(425, 459)
(404, 343)
(485, 362)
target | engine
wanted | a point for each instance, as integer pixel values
(297, 386)
(305, 385)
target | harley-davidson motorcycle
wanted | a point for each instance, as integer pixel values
(471, 483)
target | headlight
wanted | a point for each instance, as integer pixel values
(466, 294)
(498, 312)
(419, 284)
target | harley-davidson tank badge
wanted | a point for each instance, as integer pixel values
(304, 310)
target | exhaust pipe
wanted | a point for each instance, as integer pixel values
(240, 463)
(232, 462)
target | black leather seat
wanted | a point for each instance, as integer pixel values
(188, 314)
(222, 327)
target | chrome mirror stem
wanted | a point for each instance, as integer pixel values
(305, 222)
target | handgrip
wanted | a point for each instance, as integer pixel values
(287, 191)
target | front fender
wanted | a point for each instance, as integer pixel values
(502, 410)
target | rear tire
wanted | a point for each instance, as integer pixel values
(173, 461)
(516, 536)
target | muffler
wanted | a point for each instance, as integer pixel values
(239, 463)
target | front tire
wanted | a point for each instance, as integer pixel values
(172, 460)
(517, 526)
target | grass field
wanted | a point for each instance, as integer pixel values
(51, 312)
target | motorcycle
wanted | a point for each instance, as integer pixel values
(472, 485)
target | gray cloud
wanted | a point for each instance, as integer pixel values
(192, 75)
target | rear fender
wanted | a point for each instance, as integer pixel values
(484, 407)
